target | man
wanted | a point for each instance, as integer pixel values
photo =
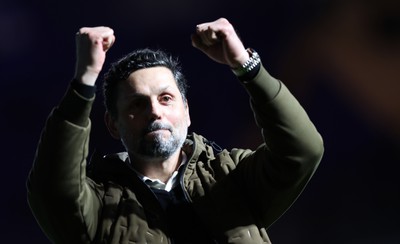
(168, 187)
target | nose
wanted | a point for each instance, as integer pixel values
(155, 109)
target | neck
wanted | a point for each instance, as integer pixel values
(157, 168)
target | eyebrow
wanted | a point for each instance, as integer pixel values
(135, 94)
(163, 89)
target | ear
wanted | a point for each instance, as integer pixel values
(111, 124)
(188, 121)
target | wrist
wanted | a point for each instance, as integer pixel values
(241, 60)
(253, 62)
(87, 78)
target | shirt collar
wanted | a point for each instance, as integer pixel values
(158, 184)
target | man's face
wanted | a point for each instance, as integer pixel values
(152, 117)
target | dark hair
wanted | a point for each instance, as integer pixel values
(139, 59)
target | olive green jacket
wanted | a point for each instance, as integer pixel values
(238, 193)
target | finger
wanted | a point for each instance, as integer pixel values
(215, 26)
(100, 36)
(197, 42)
(105, 31)
(205, 40)
(108, 42)
(207, 35)
(96, 32)
(211, 36)
(203, 27)
(107, 36)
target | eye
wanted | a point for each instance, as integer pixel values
(137, 104)
(166, 99)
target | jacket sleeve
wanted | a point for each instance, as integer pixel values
(276, 173)
(64, 202)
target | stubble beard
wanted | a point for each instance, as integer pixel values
(159, 146)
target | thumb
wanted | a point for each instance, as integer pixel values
(108, 42)
(198, 43)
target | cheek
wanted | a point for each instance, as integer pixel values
(180, 119)
(130, 126)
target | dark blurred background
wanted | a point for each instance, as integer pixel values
(340, 58)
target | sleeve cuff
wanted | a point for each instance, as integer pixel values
(77, 103)
(83, 90)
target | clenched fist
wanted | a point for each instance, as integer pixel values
(92, 43)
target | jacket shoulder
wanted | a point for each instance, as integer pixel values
(111, 167)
